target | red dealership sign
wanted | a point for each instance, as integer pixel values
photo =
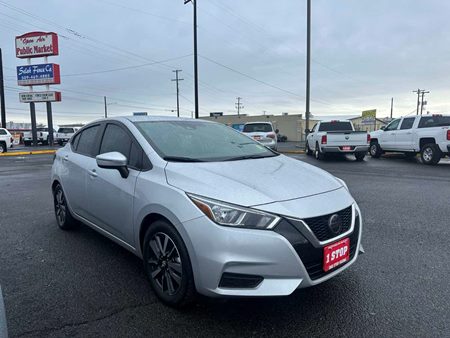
(36, 44)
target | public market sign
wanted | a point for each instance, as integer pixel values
(36, 44)
(30, 75)
(49, 96)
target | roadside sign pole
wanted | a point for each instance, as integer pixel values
(2, 93)
(33, 123)
(50, 124)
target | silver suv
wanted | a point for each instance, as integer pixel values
(209, 210)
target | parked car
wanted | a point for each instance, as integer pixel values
(6, 140)
(209, 210)
(337, 136)
(42, 136)
(64, 134)
(428, 135)
(262, 132)
(3, 327)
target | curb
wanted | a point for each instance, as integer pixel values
(35, 152)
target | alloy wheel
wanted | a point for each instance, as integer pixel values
(373, 149)
(165, 263)
(428, 154)
(60, 206)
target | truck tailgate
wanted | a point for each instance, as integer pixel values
(349, 138)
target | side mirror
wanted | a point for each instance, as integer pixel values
(277, 131)
(113, 160)
(383, 127)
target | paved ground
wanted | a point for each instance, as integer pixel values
(80, 284)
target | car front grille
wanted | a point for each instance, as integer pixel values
(319, 225)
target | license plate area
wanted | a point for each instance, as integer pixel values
(336, 254)
(347, 148)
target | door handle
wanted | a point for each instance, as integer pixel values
(93, 173)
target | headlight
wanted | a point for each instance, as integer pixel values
(234, 216)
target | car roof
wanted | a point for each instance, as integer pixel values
(255, 122)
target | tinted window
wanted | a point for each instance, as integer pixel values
(135, 159)
(87, 141)
(3, 132)
(335, 126)
(393, 125)
(258, 127)
(434, 121)
(115, 139)
(66, 130)
(75, 140)
(407, 123)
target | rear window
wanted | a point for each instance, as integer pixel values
(434, 121)
(3, 132)
(258, 127)
(335, 126)
(66, 130)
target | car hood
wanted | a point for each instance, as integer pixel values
(251, 182)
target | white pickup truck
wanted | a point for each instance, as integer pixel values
(64, 134)
(428, 135)
(6, 140)
(42, 136)
(336, 137)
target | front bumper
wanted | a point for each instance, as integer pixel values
(337, 149)
(284, 258)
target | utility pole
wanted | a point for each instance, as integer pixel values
(178, 90)
(106, 107)
(194, 3)
(418, 99)
(392, 106)
(2, 93)
(308, 60)
(422, 104)
(239, 106)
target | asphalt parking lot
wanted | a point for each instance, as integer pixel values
(80, 284)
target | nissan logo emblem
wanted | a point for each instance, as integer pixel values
(335, 224)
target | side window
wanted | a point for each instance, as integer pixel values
(393, 125)
(116, 139)
(74, 141)
(3, 132)
(87, 141)
(135, 159)
(407, 123)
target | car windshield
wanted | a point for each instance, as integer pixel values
(65, 130)
(335, 126)
(196, 141)
(258, 128)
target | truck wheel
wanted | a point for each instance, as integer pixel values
(375, 149)
(64, 218)
(318, 154)
(307, 149)
(360, 156)
(3, 147)
(430, 154)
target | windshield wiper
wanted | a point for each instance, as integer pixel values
(249, 157)
(181, 159)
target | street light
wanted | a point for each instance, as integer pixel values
(194, 3)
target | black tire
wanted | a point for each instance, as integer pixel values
(360, 156)
(375, 149)
(167, 265)
(308, 151)
(318, 154)
(430, 154)
(64, 218)
(3, 147)
(27, 143)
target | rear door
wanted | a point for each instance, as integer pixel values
(388, 137)
(404, 135)
(76, 163)
(111, 197)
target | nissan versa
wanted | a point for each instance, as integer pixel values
(208, 209)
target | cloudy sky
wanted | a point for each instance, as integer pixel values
(364, 52)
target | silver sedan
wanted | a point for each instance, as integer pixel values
(209, 210)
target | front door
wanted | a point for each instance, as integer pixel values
(388, 137)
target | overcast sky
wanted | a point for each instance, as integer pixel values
(364, 52)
